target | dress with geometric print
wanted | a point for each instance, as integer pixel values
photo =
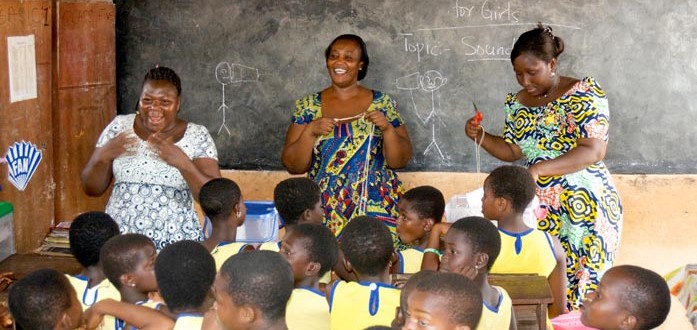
(151, 197)
(584, 208)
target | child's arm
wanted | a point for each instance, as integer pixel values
(513, 325)
(138, 316)
(557, 281)
(340, 270)
(432, 260)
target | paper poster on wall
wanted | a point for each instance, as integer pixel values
(21, 58)
(22, 160)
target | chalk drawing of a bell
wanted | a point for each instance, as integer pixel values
(241, 73)
(409, 82)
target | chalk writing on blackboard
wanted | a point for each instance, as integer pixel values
(232, 74)
(429, 82)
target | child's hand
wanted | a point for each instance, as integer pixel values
(93, 317)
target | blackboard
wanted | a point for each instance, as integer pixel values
(247, 61)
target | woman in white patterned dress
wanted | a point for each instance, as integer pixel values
(158, 163)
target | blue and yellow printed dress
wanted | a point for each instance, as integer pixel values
(338, 161)
(584, 208)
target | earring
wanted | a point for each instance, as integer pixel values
(138, 112)
(554, 74)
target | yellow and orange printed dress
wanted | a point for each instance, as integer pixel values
(338, 165)
(584, 208)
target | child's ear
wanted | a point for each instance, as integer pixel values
(428, 224)
(67, 323)
(347, 265)
(312, 269)
(628, 322)
(462, 327)
(305, 216)
(237, 214)
(480, 262)
(248, 314)
(127, 280)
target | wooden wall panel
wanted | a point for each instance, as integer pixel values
(85, 96)
(28, 120)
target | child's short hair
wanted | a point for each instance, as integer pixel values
(261, 279)
(185, 271)
(38, 300)
(647, 295)
(320, 244)
(119, 255)
(483, 235)
(411, 284)
(293, 196)
(218, 197)
(463, 297)
(426, 201)
(88, 232)
(367, 245)
(513, 183)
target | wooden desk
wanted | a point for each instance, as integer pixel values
(22, 264)
(527, 291)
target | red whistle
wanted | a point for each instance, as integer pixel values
(478, 116)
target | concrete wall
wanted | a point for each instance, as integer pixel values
(660, 211)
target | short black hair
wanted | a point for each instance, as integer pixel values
(427, 202)
(293, 196)
(411, 285)
(119, 255)
(185, 271)
(540, 42)
(513, 183)
(364, 52)
(261, 279)
(218, 197)
(320, 244)
(647, 295)
(38, 300)
(166, 74)
(88, 232)
(463, 297)
(483, 235)
(367, 245)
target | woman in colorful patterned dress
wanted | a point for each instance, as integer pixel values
(560, 125)
(348, 139)
(158, 163)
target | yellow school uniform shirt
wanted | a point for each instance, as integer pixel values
(307, 309)
(410, 260)
(89, 296)
(188, 322)
(499, 316)
(276, 247)
(354, 305)
(529, 252)
(225, 250)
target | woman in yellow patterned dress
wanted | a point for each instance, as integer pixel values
(560, 125)
(349, 139)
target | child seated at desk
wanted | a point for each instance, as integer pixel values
(471, 247)
(129, 264)
(367, 245)
(443, 301)
(45, 299)
(251, 292)
(87, 234)
(628, 298)
(524, 250)
(419, 209)
(221, 201)
(311, 250)
(185, 272)
(297, 201)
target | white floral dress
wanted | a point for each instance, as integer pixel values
(151, 197)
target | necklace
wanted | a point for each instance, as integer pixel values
(550, 90)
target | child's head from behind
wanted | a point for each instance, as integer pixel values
(44, 299)
(472, 244)
(220, 198)
(419, 209)
(444, 301)
(129, 260)
(185, 272)
(367, 245)
(298, 201)
(508, 183)
(311, 250)
(628, 297)
(252, 288)
(88, 233)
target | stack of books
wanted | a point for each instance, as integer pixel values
(56, 243)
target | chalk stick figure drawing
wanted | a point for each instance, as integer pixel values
(429, 82)
(233, 74)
